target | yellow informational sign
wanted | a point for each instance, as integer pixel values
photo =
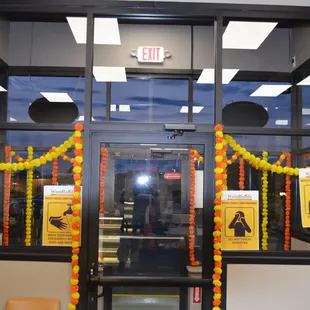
(57, 215)
(240, 220)
(304, 189)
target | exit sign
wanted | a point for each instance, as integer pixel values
(150, 54)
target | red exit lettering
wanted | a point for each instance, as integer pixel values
(150, 53)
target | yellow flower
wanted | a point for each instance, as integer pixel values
(74, 281)
(74, 257)
(217, 270)
(265, 154)
(217, 220)
(75, 244)
(216, 233)
(217, 258)
(217, 246)
(218, 146)
(76, 269)
(217, 296)
(217, 283)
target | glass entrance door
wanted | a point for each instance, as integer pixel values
(148, 207)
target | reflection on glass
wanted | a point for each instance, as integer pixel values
(278, 108)
(203, 96)
(276, 199)
(146, 215)
(42, 177)
(23, 90)
(150, 100)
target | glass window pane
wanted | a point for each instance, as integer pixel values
(24, 90)
(256, 74)
(265, 143)
(203, 96)
(150, 100)
(144, 220)
(41, 142)
(35, 95)
(278, 108)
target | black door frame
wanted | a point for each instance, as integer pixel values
(91, 221)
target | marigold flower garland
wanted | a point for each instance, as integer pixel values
(257, 162)
(233, 158)
(55, 172)
(7, 190)
(265, 206)
(287, 223)
(241, 174)
(104, 156)
(192, 259)
(76, 221)
(220, 172)
(29, 199)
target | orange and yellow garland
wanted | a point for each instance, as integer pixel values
(76, 221)
(29, 198)
(288, 201)
(7, 190)
(241, 174)
(192, 259)
(220, 175)
(55, 172)
(103, 168)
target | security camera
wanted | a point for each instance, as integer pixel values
(180, 127)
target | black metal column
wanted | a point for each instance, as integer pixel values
(85, 265)
(218, 69)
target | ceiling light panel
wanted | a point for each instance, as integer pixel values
(270, 90)
(109, 74)
(207, 76)
(246, 35)
(57, 97)
(196, 109)
(81, 118)
(305, 111)
(124, 108)
(106, 30)
(113, 107)
(305, 81)
(282, 122)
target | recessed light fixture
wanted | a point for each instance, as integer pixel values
(246, 35)
(2, 89)
(124, 108)
(57, 97)
(109, 74)
(81, 118)
(207, 76)
(282, 122)
(276, 108)
(106, 30)
(305, 81)
(270, 90)
(305, 111)
(196, 109)
(113, 107)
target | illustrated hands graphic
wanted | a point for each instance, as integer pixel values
(58, 222)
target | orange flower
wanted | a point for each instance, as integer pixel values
(78, 127)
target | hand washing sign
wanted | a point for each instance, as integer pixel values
(57, 215)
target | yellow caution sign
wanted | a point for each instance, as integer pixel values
(240, 220)
(57, 215)
(304, 189)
